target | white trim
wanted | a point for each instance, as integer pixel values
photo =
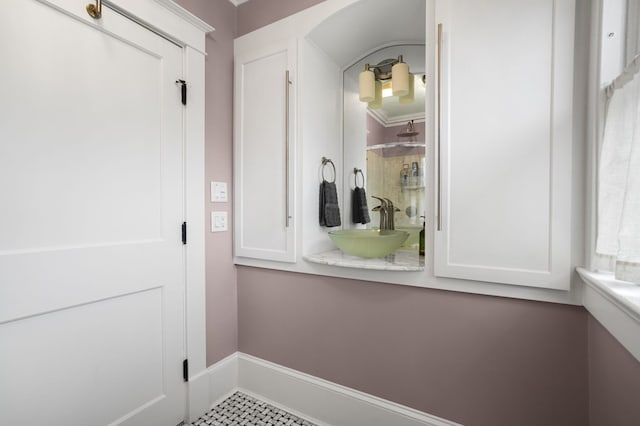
(616, 305)
(194, 181)
(381, 117)
(594, 125)
(169, 20)
(237, 3)
(223, 379)
(325, 401)
(212, 386)
(185, 15)
(198, 392)
(314, 399)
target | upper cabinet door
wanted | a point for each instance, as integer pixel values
(264, 152)
(503, 141)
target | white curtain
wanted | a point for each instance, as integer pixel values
(618, 239)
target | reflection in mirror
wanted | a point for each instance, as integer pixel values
(385, 137)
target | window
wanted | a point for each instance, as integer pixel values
(618, 186)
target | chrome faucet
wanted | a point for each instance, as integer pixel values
(387, 211)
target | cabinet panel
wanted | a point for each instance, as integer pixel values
(264, 153)
(505, 141)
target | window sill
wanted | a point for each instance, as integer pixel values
(616, 305)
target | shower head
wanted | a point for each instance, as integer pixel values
(410, 131)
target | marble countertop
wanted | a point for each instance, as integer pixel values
(399, 261)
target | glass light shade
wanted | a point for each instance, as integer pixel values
(367, 86)
(377, 101)
(400, 79)
(387, 91)
(409, 97)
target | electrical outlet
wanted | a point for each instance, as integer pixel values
(218, 221)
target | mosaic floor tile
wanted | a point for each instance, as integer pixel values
(242, 410)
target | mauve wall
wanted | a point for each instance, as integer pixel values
(378, 134)
(473, 359)
(256, 14)
(222, 325)
(614, 380)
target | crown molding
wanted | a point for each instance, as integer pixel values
(238, 2)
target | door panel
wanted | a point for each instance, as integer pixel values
(106, 336)
(265, 153)
(91, 260)
(506, 92)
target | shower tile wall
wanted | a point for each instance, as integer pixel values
(384, 180)
(384, 167)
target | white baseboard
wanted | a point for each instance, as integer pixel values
(322, 401)
(209, 387)
(223, 379)
(314, 399)
(198, 394)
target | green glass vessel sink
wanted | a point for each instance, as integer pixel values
(368, 242)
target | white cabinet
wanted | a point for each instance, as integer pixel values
(503, 185)
(264, 152)
(499, 189)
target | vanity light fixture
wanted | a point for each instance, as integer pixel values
(390, 71)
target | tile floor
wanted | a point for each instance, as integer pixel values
(242, 410)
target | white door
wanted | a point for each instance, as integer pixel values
(91, 188)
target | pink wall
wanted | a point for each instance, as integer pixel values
(256, 14)
(222, 331)
(375, 132)
(614, 380)
(378, 134)
(477, 360)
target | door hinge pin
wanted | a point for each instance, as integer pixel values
(185, 370)
(184, 232)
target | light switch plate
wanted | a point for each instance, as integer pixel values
(218, 221)
(219, 192)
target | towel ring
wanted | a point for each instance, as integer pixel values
(326, 161)
(355, 177)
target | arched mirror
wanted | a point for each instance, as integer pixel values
(382, 144)
(385, 139)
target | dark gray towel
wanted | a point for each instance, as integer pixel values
(359, 208)
(329, 208)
